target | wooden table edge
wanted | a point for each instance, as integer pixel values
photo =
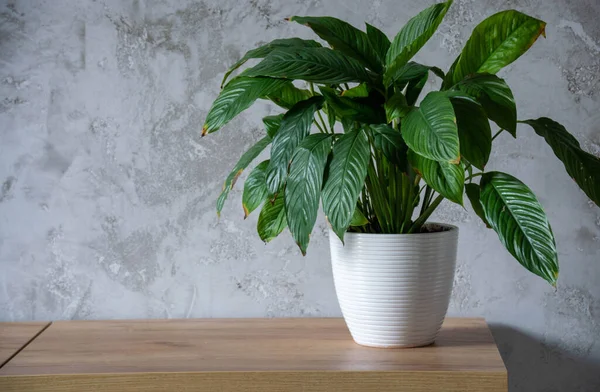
(289, 381)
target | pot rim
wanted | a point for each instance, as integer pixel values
(451, 229)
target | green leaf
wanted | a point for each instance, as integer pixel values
(304, 183)
(360, 91)
(396, 107)
(473, 193)
(331, 117)
(295, 126)
(411, 39)
(264, 50)
(389, 141)
(272, 124)
(438, 72)
(474, 132)
(469, 170)
(519, 219)
(358, 218)
(445, 178)
(255, 188)
(411, 71)
(288, 95)
(414, 75)
(352, 109)
(343, 37)
(345, 179)
(271, 220)
(318, 65)
(348, 125)
(496, 98)
(238, 95)
(379, 41)
(496, 42)
(431, 131)
(447, 83)
(239, 167)
(582, 166)
(414, 88)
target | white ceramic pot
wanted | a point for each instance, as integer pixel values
(394, 289)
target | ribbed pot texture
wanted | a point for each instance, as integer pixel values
(394, 289)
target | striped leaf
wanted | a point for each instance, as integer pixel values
(445, 178)
(238, 95)
(239, 167)
(411, 38)
(295, 126)
(358, 218)
(331, 117)
(288, 95)
(496, 98)
(473, 192)
(271, 220)
(272, 124)
(345, 179)
(411, 71)
(414, 88)
(359, 109)
(431, 131)
(318, 65)
(360, 91)
(264, 50)
(396, 107)
(343, 37)
(515, 214)
(582, 166)
(474, 132)
(255, 188)
(348, 125)
(304, 183)
(496, 42)
(389, 141)
(448, 83)
(379, 41)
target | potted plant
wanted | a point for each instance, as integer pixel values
(380, 161)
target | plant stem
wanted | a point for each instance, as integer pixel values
(323, 121)
(381, 92)
(428, 191)
(497, 133)
(426, 214)
(417, 180)
(311, 86)
(410, 202)
(473, 176)
(318, 126)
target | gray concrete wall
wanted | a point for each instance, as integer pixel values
(108, 193)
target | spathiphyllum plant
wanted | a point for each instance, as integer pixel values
(379, 158)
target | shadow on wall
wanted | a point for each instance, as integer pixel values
(538, 366)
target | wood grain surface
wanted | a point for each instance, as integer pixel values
(14, 336)
(249, 355)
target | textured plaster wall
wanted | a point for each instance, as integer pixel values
(107, 192)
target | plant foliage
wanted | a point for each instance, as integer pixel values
(394, 156)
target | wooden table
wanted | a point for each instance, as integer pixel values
(15, 336)
(258, 355)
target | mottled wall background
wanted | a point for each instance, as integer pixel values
(107, 202)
